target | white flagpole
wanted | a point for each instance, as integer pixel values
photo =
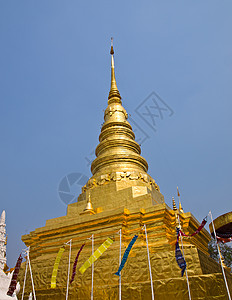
(186, 273)
(32, 282)
(25, 276)
(149, 263)
(69, 259)
(92, 266)
(223, 272)
(120, 253)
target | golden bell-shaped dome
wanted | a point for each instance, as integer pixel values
(89, 207)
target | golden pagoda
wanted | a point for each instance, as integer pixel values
(121, 195)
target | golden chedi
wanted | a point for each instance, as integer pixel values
(121, 195)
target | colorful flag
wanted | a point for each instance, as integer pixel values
(179, 257)
(125, 255)
(13, 282)
(55, 268)
(96, 255)
(75, 263)
(198, 229)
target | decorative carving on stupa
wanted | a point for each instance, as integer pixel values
(3, 240)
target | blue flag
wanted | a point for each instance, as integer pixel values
(179, 257)
(125, 255)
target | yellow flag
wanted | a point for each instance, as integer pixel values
(96, 255)
(55, 268)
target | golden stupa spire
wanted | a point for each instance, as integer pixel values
(114, 95)
(117, 151)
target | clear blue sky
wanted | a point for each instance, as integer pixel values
(54, 84)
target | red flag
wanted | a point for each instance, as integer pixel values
(13, 282)
(198, 229)
(224, 240)
(75, 263)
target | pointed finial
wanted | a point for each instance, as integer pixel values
(180, 206)
(3, 217)
(174, 204)
(112, 48)
(114, 95)
(178, 193)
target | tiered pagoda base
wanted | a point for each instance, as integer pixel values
(145, 205)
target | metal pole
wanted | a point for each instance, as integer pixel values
(69, 259)
(223, 272)
(149, 263)
(120, 253)
(24, 282)
(186, 273)
(92, 266)
(32, 282)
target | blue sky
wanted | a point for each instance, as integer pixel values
(54, 84)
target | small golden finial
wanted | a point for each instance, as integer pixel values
(174, 204)
(89, 207)
(180, 206)
(114, 95)
(176, 213)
